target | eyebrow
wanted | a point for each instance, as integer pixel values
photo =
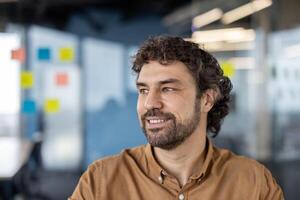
(170, 80)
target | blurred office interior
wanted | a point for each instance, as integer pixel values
(68, 95)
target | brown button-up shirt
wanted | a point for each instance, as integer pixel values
(135, 175)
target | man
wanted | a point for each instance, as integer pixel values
(183, 95)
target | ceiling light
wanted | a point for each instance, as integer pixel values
(207, 18)
(227, 35)
(245, 10)
(223, 46)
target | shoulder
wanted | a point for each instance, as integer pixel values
(227, 160)
(100, 172)
(126, 157)
(247, 172)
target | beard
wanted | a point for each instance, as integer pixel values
(173, 133)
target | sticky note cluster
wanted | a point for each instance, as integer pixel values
(65, 54)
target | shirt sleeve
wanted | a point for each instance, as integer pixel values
(270, 189)
(88, 185)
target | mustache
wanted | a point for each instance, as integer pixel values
(158, 113)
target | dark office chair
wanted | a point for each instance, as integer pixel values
(34, 182)
(26, 181)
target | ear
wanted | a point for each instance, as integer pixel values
(209, 97)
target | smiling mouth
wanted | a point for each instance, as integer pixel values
(155, 123)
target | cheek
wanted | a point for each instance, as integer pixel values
(139, 107)
(182, 109)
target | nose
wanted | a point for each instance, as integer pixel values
(153, 101)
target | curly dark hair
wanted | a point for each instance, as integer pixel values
(202, 65)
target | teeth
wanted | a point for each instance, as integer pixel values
(156, 121)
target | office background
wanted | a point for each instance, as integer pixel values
(68, 95)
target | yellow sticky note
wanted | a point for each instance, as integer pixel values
(27, 80)
(66, 54)
(52, 106)
(228, 69)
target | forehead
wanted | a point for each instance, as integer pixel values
(155, 72)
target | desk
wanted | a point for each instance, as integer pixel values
(14, 151)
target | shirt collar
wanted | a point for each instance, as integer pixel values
(155, 170)
(203, 170)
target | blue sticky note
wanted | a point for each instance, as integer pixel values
(44, 54)
(28, 106)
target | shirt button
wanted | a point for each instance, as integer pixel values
(160, 179)
(181, 197)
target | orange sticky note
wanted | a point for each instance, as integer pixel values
(62, 79)
(18, 54)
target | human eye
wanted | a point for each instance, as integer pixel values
(168, 89)
(143, 90)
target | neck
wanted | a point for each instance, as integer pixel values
(185, 159)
